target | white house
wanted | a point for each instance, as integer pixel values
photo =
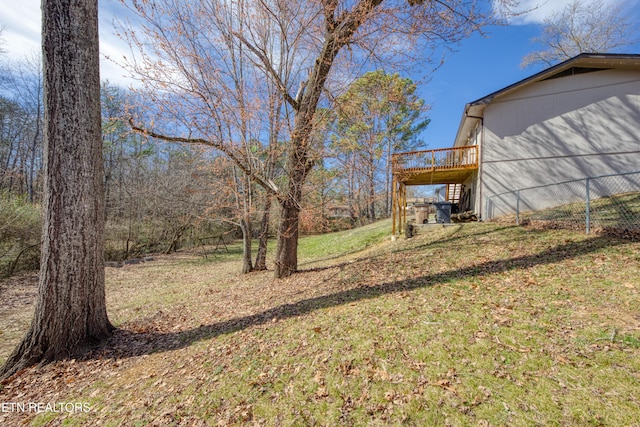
(578, 119)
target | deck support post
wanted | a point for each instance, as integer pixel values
(394, 202)
(404, 206)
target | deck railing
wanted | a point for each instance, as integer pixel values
(442, 158)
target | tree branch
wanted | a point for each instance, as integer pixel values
(330, 7)
(266, 183)
(269, 68)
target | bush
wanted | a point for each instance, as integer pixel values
(20, 230)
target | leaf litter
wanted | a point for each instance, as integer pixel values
(481, 324)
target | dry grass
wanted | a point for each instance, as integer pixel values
(476, 324)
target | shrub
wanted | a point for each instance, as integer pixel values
(20, 230)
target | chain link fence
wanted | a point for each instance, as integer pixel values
(608, 203)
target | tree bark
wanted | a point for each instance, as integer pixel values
(298, 169)
(287, 250)
(371, 198)
(245, 226)
(261, 256)
(70, 313)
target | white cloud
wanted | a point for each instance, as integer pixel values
(21, 22)
(22, 27)
(538, 10)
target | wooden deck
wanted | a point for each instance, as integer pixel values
(441, 166)
(428, 167)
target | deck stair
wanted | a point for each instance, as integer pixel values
(454, 193)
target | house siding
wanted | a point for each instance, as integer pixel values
(558, 130)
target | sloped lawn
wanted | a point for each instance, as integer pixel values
(474, 324)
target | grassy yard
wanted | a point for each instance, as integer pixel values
(474, 324)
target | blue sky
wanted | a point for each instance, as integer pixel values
(483, 65)
(478, 67)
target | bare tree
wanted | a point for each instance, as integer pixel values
(70, 312)
(21, 128)
(582, 26)
(190, 53)
(25, 84)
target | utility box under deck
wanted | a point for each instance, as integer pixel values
(443, 212)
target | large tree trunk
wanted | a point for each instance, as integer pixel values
(286, 262)
(287, 249)
(261, 256)
(70, 312)
(299, 167)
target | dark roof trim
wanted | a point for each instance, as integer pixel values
(574, 71)
(584, 60)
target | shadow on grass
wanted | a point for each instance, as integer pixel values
(125, 343)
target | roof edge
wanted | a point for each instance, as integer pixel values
(555, 69)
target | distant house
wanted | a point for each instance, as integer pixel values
(339, 211)
(574, 120)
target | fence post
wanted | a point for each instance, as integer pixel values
(518, 208)
(588, 209)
